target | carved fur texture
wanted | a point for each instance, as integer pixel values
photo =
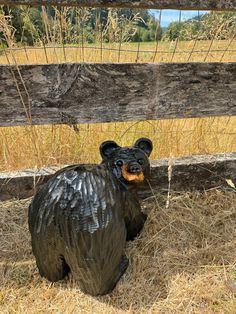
(80, 220)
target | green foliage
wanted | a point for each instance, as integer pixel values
(219, 25)
(72, 25)
(41, 25)
(174, 31)
(26, 22)
(213, 25)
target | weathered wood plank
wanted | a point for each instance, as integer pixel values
(23, 184)
(81, 93)
(192, 173)
(147, 4)
(189, 173)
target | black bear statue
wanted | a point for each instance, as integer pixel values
(81, 218)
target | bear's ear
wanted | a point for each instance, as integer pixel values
(106, 148)
(144, 144)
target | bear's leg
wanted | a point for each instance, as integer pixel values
(124, 263)
(98, 262)
(53, 268)
(134, 217)
(134, 225)
(90, 285)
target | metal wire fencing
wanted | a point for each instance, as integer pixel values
(55, 35)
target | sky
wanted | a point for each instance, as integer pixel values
(169, 16)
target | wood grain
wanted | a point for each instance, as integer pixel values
(189, 173)
(147, 4)
(90, 93)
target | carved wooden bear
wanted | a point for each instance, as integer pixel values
(79, 221)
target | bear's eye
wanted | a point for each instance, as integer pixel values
(119, 163)
(140, 161)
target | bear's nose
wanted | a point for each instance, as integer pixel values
(134, 168)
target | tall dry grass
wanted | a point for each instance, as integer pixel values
(60, 144)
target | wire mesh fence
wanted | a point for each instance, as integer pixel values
(57, 35)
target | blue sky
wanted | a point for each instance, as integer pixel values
(169, 16)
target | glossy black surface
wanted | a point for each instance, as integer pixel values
(80, 220)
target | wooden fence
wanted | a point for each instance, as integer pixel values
(147, 4)
(189, 173)
(75, 93)
(133, 92)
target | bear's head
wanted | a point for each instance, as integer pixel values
(129, 164)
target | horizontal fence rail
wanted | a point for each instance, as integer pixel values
(80, 93)
(189, 173)
(147, 4)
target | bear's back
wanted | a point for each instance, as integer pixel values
(89, 197)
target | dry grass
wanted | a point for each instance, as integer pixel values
(181, 51)
(183, 262)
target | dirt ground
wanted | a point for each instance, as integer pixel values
(183, 262)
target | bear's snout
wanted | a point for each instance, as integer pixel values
(135, 176)
(134, 167)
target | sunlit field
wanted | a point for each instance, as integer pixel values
(38, 146)
(175, 51)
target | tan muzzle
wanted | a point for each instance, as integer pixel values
(135, 177)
